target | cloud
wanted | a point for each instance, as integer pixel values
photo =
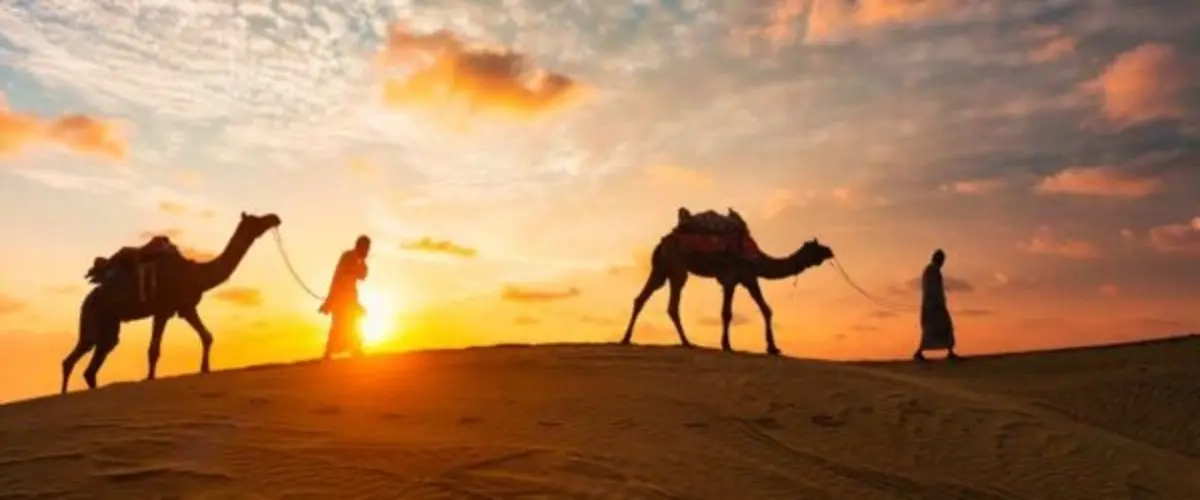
(521, 294)
(431, 245)
(1047, 243)
(679, 176)
(1052, 43)
(829, 20)
(976, 186)
(1149, 82)
(11, 305)
(598, 320)
(1099, 181)
(190, 178)
(737, 319)
(80, 133)
(526, 320)
(180, 209)
(444, 70)
(974, 312)
(240, 295)
(1179, 238)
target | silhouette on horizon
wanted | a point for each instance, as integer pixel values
(155, 280)
(342, 304)
(712, 245)
(937, 328)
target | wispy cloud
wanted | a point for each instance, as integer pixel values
(516, 293)
(975, 186)
(1178, 238)
(81, 133)
(240, 296)
(447, 247)
(1046, 242)
(11, 305)
(1100, 181)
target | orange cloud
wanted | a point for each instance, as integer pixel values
(171, 207)
(1046, 243)
(431, 245)
(444, 70)
(1146, 83)
(80, 133)
(241, 296)
(64, 289)
(1182, 238)
(11, 305)
(196, 254)
(521, 294)
(829, 19)
(737, 319)
(975, 187)
(680, 176)
(1099, 181)
(190, 178)
(1053, 49)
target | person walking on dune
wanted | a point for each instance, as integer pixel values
(937, 329)
(341, 303)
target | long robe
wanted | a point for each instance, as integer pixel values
(342, 304)
(937, 329)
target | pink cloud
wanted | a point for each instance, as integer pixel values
(1099, 181)
(1146, 83)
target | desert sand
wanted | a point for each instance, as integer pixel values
(603, 421)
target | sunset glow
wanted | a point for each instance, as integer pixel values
(515, 163)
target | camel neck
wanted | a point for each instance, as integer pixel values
(774, 268)
(218, 270)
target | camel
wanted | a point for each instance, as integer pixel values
(167, 285)
(720, 247)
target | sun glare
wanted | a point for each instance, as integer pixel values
(379, 325)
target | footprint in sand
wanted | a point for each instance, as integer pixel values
(825, 420)
(470, 420)
(768, 423)
(546, 423)
(696, 425)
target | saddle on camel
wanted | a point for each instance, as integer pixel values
(709, 231)
(136, 266)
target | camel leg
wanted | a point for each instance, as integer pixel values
(727, 289)
(206, 339)
(109, 336)
(86, 343)
(656, 280)
(677, 281)
(157, 327)
(757, 295)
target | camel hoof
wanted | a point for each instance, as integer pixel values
(773, 351)
(625, 342)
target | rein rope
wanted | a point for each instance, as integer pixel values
(288, 262)
(879, 302)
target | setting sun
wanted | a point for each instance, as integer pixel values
(379, 324)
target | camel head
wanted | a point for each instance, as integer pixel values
(253, 226)
(812, 252)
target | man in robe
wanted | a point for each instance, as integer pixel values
(937, 329)
(341, 303)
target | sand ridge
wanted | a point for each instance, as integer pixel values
(603, 421)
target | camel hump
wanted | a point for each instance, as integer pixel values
(126, 258)
(709, 221)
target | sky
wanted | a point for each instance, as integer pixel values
(515, 163)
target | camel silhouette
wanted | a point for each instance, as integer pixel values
(158, 283)
(720, 247)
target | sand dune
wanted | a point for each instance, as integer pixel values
(601, 421)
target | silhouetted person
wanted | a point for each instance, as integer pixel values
(342, 300)
(937, 329)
